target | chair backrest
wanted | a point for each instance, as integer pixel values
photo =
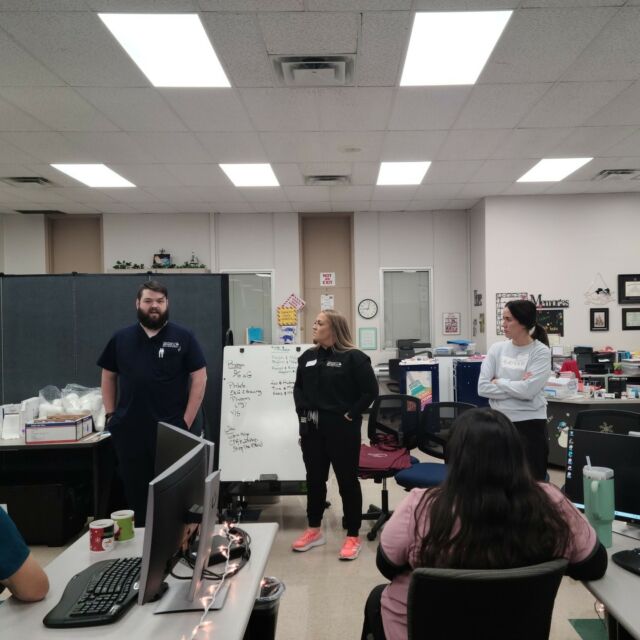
(436, 426)
(396, 415)
(495, 604)
(608, 421)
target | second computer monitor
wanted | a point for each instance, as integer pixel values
(173, 442)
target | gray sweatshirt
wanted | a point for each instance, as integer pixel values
(518, 399)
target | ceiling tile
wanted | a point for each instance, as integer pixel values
(481, 190)
(351, 193)
(169, 148)
(173, 194)
(437, 191)
(381, 47)
(590, 141)
(539, 44)
(628, 147)
(133, 109)
(60, 108)
(448, 171)
(365, 173)
(525, 188)
(395, 192)
(142, 6)
(19, 69)
(570, 104)
(13, 119)
(308, 194)
(461, 204)
(264, 194)
(208, 109)
(40, 146)
(251, 5)
(311, 207)
(148, 175)
(326, 146)
(358, 5)
(502, 170)
(399, 146)
(423, 108)
(272, 207)
(530, 143)
(471, 144)
(236, 146)
(224, 193)
(237, 39)
(282, 109)
(427, 205)
(233, 207)
(623, 109)
(351, 206)
(76, 46)
(498, 106)
(389, 205)
(108, 147)
(475, 5)
(290, 174)
(351, 109)
(43, 5)
(305, 33)
(197, 175)
(614, 54)
(326, 168)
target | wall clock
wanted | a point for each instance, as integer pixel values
(367, 308)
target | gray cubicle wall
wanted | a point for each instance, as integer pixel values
(54, 327)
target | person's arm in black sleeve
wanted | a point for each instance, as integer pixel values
(386, 567)
(302, 405)
(592, 567)
(367, 384)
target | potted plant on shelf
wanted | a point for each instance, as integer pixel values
(617, 368)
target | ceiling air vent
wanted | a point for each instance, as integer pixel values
(46, 212)
(314, 71)
(617, 174)
(19, 181)
(327, 181)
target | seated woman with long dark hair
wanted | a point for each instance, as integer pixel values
(488, 514)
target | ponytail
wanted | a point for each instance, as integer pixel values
(540, 334)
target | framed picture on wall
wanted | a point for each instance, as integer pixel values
(631, 319)
(629, 288)
(599, 319)
(451, 323)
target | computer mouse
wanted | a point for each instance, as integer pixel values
(628, 559)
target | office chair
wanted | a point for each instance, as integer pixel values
(393, 423)
(491, 604)
(608, 421)
(435, 429)
(395, 374)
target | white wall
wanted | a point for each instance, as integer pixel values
(136, 237)
(23, 240)
(261, 242)
(555, 245)
(477, 268)
(413, 240)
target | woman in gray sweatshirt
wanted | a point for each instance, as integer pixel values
(513, 376)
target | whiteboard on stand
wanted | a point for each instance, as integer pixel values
(258, 422)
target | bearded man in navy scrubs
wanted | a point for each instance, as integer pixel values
(162, 376)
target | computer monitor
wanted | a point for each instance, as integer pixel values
(173, 442)
(172, 495)
(616, 451)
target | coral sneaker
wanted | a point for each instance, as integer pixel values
(309, 539)
(350, 548)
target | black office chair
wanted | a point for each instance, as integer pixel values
(395, 374)
(608, 421)
(436, 425)
(493, 604)
(392, 427)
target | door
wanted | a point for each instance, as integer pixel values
(75, 244)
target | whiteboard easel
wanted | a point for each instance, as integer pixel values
(258, 421)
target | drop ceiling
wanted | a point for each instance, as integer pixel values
(563, 81)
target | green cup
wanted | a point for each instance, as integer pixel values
(125, 526)
(597, 484)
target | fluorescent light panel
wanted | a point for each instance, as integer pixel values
(553, 169)
(451, 47)
(94, 175)
(172, 50)
(398, 173)
(251, 175)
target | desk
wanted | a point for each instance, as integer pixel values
(90, 461)
(19, 620)
(618, 590)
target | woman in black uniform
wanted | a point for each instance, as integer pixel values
(335, 383)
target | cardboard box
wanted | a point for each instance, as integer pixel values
(58, 428)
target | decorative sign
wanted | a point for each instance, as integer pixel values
(501, 300)
(295, 302)
(548, 304)
(552, 320)
(287, 335)
(368, 338)
(327, 301)
(287, 316)
(328, 279)
(451, 323)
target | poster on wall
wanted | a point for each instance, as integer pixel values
(327, 301)
(552, 320)
(451, 323)
(501, 300)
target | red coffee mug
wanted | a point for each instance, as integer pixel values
(101, 534)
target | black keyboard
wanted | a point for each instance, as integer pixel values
(98, 595)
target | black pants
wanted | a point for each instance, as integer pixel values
(372, 628)
(334, 441)
(533, 434)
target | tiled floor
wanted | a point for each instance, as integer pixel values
(324, 597)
